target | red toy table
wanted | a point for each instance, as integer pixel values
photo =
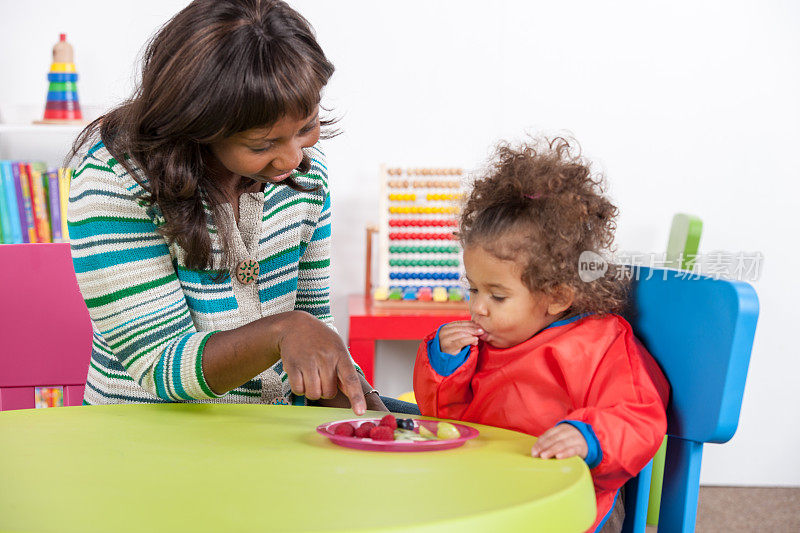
(368, 325)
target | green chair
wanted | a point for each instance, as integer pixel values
(682, 247)
(684, 241)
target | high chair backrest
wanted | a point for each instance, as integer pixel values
(45, 330)
(700, 330)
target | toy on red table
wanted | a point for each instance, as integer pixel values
(419, 258)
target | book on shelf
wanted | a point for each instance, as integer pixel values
(54, 204)
(64, 177)
(49, 397)
(6, 220)
(27, 202)
(33, 202)
(24, 221)
(40, 217)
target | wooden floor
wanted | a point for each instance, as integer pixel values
(747, 509)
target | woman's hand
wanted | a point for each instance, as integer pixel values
(374, 402)
(317, 363)
(373, 399)
(453, 337)
(314, 357)
(561, 441)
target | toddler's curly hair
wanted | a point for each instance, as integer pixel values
(540, 205)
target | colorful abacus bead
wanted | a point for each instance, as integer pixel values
(424, 294)
(381, 294)
(439, 294)
(404, 197)
(410, 293)
(454, 295)
(395, 293)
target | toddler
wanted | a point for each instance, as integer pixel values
(545, 352)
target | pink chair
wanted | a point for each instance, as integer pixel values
(45, 330)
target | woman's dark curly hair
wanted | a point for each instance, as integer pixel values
(541, 206)
(216, 68)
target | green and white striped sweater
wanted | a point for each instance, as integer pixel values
(152, 315)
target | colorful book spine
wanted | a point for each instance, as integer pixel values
(5, 215)
(12, 207)
(29, 227)
(46, 191)
(20, 202)
(64, 178)
(49, 397)
(40, 216)
(34, 202)
(54, 204)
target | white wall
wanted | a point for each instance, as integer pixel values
(687, 106)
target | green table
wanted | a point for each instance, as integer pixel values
(206, 467)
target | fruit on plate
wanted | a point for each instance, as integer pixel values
(425, 432)
(390, 428)
(405, 423)
(446, 430)
(346, 430)
(389, 421)
(381, 433)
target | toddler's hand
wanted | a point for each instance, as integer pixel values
(455, 335)
(561, 441)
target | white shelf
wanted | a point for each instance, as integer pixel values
(72, 129)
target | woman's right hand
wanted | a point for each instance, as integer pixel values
(316, 361)
(453, 337)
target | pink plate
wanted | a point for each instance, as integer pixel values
(396, 446)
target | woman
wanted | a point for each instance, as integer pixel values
(200, 224)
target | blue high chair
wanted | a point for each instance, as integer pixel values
(700, 331)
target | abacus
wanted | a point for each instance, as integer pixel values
(419, 257)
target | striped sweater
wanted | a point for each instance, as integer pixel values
(152, 316)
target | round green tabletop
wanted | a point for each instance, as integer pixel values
(204, 467)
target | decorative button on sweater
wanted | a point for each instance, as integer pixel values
(247, 272)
